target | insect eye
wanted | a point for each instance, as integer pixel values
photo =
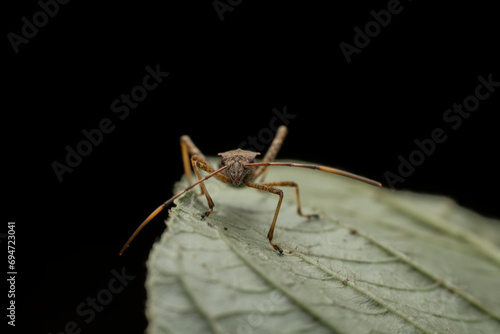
(222, 162)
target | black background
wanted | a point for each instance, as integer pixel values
(225, 79)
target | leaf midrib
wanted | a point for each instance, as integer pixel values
(454, 231)
(399, 255)
(407, 260)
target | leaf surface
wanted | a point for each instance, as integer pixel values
(376, 261)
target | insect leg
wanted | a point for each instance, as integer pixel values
(165, 204)
(189, 148)
(291, 184)
(198, 164)
(278, 192)
(272, 151)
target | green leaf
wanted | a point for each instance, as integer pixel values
(376, 261)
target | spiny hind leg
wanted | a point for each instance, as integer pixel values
(272, 152)
(188, 148)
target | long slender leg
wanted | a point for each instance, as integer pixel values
(189, 148)
(278, 192)
(291, 184)
(198, 164)
(272, 151)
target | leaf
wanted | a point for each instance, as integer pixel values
(376, 261)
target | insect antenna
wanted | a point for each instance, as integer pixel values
(164, 205)
(323, 168)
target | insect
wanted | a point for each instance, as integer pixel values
(239, 168)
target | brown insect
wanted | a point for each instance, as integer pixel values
(239, 168)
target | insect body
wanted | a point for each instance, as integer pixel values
(239, 168)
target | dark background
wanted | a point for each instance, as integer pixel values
(225, 79)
